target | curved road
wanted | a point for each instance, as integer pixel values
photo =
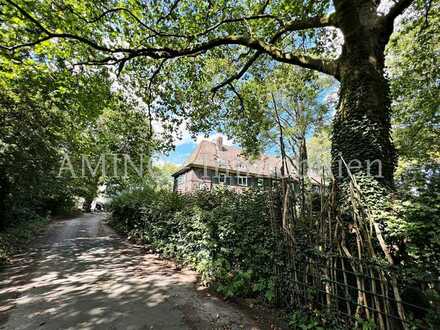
(81, 275)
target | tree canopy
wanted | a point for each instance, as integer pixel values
(82, 80)
(414, 71)
(48, 113)
(200, 63)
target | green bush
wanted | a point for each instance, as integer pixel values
(16, 237)
(227, 237)
(415, 228)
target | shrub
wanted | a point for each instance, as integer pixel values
(227, 237)
(16, 237)
(236, 243)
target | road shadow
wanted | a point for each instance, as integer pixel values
(84, 276)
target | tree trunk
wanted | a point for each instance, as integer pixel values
(87, 205)
(301, 140)
(4, 190)
(302, 157)
(362, 127)
(302, 169)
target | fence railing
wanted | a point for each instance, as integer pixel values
(340, 266)
(350, 291)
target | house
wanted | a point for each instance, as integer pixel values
(212, 163)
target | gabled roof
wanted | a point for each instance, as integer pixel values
(227, 158)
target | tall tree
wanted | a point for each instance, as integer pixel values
(294, 107)
(414, 70)
(43, 113)
(47, 113)
(119, 32)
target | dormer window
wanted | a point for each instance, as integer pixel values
(221, 162)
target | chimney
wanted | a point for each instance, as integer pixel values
(219, 142)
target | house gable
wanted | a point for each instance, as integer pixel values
(212, 163)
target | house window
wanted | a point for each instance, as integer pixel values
(180, 179)
(221, 178)
(242, 180)
(241, 166)
(221, 162)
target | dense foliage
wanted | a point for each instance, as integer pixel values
(43, 113)
(177, 53)
(51, 115)
(237, 243)
(414, 70)
(415, 226)
(17, 238)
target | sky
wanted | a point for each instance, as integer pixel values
(186, 145)
(179, 155)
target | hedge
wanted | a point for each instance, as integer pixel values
(225, 236)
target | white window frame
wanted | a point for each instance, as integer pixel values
(222, 163)
(181, 179)
(243, 179)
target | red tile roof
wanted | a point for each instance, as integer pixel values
(218, 156)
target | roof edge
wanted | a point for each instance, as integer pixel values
(183, 169)
(193, 165)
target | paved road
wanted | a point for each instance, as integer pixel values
(81, 275)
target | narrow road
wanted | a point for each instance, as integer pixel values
(81, 275)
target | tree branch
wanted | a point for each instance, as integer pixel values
(309, 62)
(260, 46)
(310, 23)
(166, 52)
(51, 35)
(172, 8)
(329, 67)
(294, 25)
(150, 94)
(153, 77)
(112, 11)
(240, 98)
(28, 16)
(110, 60)
(239, 74)
(398, 8)
(27, 44)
